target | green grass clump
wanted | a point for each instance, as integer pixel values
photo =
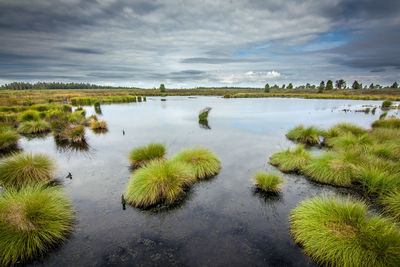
(76, 134)
(98, 125)
(22, 169)
(33, 220)
(159, 182)
(391, 204)
(333, 168)
(204, 162)
(377, 180)
(291, 160)
(387, 104)
(388, 123)
(143, 154)
(77, 117)
(29, 115)
(344, 127)
(349, 141)
(268, 182)
(338, 231)
(203, 115)
(34, 127)
(8, 138)
(306, 135)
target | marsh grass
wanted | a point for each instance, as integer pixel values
(338, 231)
(33, 221)
(204, 162)
(268, 182)
(306, 135)
(383, 115)
(333, 168)
(377, 180)
(34, 127)
(23, 169)
(8, 138)
(349, 141)
(391, 203)
(98, 125)
(388, 123)
(291, 160)
(203, 115)
(345, 127)
(386, 104)
(143, 154)
(29, 115)
(159, 182)
(76, 134)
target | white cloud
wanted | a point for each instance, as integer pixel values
(249, 77)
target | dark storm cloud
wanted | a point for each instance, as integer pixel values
(190, 43)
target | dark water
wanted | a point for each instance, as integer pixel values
(222, 222)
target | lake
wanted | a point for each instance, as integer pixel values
(222, 221)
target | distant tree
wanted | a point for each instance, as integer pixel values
(266, 88)
(308, 86)
(371, 86)
(290, 86)
(283, 86)
(356, 85)
(321, 87)
(275, 86)
(340, 84)
(395, 85)
(162, 88)
(329, 85)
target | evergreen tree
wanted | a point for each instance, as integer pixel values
(329, 85)
(162, 88)
(266, 88)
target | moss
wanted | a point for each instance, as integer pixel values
(159, 182)
(291, 160)
(143, 154)
(306, 135)
(33, 220)
(268, 182)
(342, 232)
(204, 162)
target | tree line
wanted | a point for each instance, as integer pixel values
(339, 84)
(52, 85)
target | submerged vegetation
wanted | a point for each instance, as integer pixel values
(268, 182)
(143, 154)
(338, 231)
(33, 220)
(203, 115)
(23, 169)
(204, 162)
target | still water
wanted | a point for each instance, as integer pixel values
(222, 221)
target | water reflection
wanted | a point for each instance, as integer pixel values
(70, 148)
(100, 131)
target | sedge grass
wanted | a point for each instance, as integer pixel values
(98, 125)
(8, 138)
(268, 182)
(29, 115)
(23, 169)
(333, 168)
(34, 127)
(33, 220)
(338, 231)
(159, 182)
(391, 203)
(306, 135)
(76, 134)
(387, 123)
(291, 160)
(143, 154)
(204, 162)
(376, 180)
(348, 141)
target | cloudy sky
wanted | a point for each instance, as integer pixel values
(199, 42)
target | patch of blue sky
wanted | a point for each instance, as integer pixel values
(327, 41)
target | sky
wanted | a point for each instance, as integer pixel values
(199, 43)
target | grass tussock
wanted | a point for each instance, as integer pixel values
(143, 154)
(33, 220)
(388, 123)
(29, 115)
(338, 231)
(391, 204)
(8, 138)
(76, 134)
(348, 141)
(306, 135)
(204, 162)
(23, 169)
(159, 182)
(333, 168)
(98, 125)
(34, 127)
(268, 182)
(291, 160)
